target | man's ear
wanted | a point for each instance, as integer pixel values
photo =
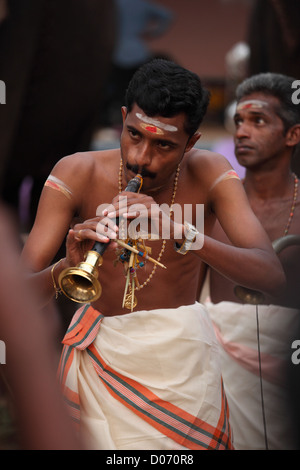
(124, 113)
(293, 136)
(192, 140)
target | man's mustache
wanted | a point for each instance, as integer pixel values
(143, 171)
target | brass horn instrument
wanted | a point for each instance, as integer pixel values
(254, 297)
(80, 283)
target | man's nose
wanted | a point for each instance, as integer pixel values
(242, 130)
(143, 155)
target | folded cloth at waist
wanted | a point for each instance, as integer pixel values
(145, 380)
(236, 329)
(259, 413)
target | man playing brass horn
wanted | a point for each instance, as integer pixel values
(149, 377)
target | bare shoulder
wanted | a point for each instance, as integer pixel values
(206, 167)
(80, 169)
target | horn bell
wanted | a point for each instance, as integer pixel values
(80, 283)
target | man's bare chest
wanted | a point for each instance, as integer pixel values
(278, 217)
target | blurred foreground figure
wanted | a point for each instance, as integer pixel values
(30, 370)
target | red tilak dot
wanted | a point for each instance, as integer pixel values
(151, 129)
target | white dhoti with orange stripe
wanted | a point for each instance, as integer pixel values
(145, 380)
(236, 330)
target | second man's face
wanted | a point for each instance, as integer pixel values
(259, 134)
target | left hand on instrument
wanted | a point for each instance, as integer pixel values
(144, 213)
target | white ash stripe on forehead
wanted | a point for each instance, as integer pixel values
(249, 104)
(155, 122)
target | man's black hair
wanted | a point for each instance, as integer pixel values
(162, 88)
(273, 84)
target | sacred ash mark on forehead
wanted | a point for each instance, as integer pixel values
(251, 104)
(155, 126)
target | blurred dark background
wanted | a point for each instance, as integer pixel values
(66, 65)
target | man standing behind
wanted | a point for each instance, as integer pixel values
(267, 132)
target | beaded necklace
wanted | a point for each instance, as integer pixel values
(131, 263)
(293, 206)
(291, 215)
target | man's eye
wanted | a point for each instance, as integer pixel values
(132, 132)
(164, 144)
(259, 120)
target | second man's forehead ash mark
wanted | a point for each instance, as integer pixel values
(251, 104)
